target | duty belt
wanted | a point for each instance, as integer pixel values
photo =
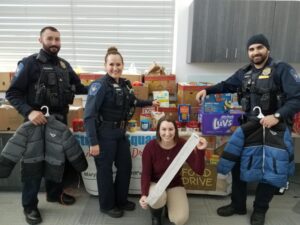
(114, 124)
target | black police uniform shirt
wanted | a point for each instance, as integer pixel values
(100, 93)
(286, 77)
(22, 92)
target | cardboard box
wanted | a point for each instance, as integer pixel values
(88, 78)
(193, 181)
(186, 93)
(141, 92)
(171, 112)
(133, 77)
(145, 113)
(194, 113)
(136, 115)
(77, 102)
(75, 112)
(161, 83)
(219, 123)
(5, 78)
(10, 119)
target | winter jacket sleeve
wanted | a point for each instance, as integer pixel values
(13, 150)
(74, 152)
(232, 152)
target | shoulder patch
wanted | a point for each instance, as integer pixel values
(19, 69)
(94, 88)
(295, 75)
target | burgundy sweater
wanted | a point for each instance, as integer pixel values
(156, 160)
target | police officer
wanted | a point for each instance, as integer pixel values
(110, 104)
(275, 88)
(44, 79)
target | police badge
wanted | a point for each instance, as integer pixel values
(266, 71)
(62, 64)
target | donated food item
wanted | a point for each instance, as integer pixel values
(132, 125)
(184, 111)
(155, 116)
(145, 124)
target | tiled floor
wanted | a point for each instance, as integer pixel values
(285, 210)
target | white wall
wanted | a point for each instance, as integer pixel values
(211, 72)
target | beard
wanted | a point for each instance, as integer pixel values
(259, 59)
(52, 50)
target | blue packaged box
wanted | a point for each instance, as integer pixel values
(184, 112)
(219, 123)
(217, 103)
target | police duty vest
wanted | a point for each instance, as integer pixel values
(53, 87)
(260, 89)
(121, 106)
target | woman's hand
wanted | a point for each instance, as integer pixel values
(143, 202)
(94, 150)
(202, 144)
(156, 103)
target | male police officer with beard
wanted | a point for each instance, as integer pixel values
(44, 79)
(275, 88)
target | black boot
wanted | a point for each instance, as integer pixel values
(156, 216)
(257, 218)
(229, 210)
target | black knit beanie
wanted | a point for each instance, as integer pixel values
(258, 39)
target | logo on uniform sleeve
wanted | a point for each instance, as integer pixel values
(19, 69)
(295, 75)
(94, 88)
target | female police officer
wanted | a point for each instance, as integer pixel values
(109, 106)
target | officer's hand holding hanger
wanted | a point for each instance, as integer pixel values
(37, 118)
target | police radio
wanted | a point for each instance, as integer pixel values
(119, 95)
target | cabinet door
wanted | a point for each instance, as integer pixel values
(285, 43)
(211, 33)
(250, 17)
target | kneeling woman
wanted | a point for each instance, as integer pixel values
(157, 156)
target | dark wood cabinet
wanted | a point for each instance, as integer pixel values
(285, 41)
(219, 29)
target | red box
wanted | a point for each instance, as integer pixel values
(296, 123)
(161, 83)
(186, 93)
(88, 78)
(171, 112)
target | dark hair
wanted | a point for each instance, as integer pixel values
(48, 28)
(168, 119)
(113, 51)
